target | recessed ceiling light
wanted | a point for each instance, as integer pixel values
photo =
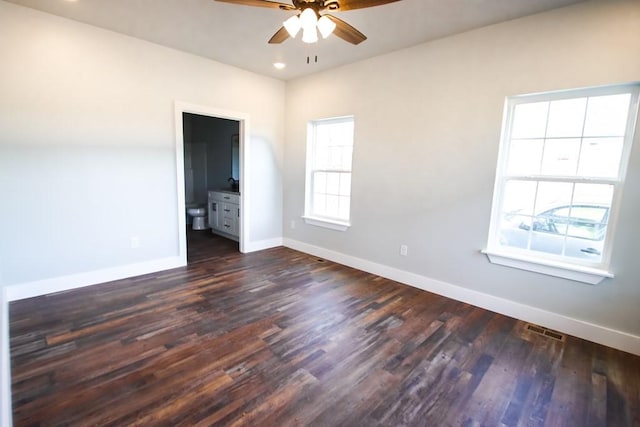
(279, 65)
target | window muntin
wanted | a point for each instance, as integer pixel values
(563, 158)
(329, 159)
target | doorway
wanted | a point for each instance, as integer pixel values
(210, 155)
(212, 178)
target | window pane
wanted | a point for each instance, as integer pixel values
(562, 212)
(321, 156)
(547, 242)
(342, 133)
(319, 182)
(552, 195)
(345, 184)
(323, 137)
(530, 120)
(589, 213)
(332, 206)
(607, 115)
(582, 249)
(587, 222)
(586, 230)
(333, 183)
(600, 157)
(319, 204)
(347, 157)
(525, 156)
(515, 230)
(566, 118)
(519, 197)
(335, 158)
(560, 157)
(597, 194)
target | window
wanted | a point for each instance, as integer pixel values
(561, 168)
(328, 184)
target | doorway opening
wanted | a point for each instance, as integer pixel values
(210, 153)
(212, 182)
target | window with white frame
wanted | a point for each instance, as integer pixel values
(561, 168)
(328, 183)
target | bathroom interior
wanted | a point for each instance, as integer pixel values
(212, 175)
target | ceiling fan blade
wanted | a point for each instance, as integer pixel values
(281, 35)
(260, 3)
(346, 32)
(342, 5)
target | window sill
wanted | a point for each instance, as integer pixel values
(327, 223)
(592, 276)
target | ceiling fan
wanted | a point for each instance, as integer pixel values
(311, 22)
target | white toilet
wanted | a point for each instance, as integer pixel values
(199, 217)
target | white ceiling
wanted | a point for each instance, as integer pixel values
(238, 35)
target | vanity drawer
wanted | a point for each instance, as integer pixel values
(221, 196)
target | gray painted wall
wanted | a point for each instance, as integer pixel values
(427, 130)
(87, 144)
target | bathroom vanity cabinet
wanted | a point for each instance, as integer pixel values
(224, 213)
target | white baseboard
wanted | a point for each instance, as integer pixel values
(263, 244)
(579, 328)
(5, 363)
(74, 281)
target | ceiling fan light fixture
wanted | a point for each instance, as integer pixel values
(292, 25)
(309, 35)
(326, 26)
(308, 19)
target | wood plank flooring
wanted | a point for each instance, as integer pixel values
(280, 338)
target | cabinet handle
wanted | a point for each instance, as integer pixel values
(227, 210)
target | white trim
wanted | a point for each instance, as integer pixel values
(182, 220)
(245, 210)
(263, 244)
(327, 223)
(80, 280)
(576, 327)
(5, 362)
(578, 273)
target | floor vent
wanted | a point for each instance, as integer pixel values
(540, 330)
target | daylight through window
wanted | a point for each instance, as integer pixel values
(562, 163)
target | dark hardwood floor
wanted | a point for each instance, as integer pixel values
(280, 338)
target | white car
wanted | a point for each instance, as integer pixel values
(578, 230)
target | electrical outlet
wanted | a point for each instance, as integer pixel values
(404, 250)
(293, 224)
(135, 242)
